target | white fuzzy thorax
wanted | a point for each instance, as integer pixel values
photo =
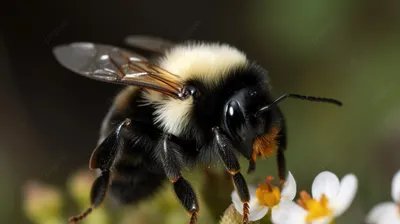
(208, 63)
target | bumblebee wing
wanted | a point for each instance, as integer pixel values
(111, 64)
(149, 43)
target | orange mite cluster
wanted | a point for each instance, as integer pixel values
(266, 145)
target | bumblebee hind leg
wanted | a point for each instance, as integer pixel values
(103, 158)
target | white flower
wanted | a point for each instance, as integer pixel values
(266, 196)
(387, 212)
(331, 198)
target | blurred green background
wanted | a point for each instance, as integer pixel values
(348, 50)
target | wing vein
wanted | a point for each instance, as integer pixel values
(114, 65)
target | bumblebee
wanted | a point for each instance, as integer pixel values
(196, 103)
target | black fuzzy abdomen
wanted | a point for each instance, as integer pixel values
(135, 174)
(138, 174)
(134, 183)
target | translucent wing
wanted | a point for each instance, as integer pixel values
(111, 64)
(149, 43)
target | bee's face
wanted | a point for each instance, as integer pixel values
(240, 122)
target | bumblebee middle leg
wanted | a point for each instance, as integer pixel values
(225, 151)
(103, 158)
(171, 159)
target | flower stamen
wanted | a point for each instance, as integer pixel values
(267, 194)
(316, 209)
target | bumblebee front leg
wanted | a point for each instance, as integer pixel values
(280, 156)
(225, 151)
(171, 160)
(103, 158)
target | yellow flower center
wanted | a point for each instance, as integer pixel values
(316, 209)
(267, 194)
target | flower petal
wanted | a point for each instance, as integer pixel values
(347, 192)
(380, 211)
(257, 211)
(391, 217)
(396, 187)
(289, 188)
(289, 212)
(325, 183)
(324, 220)
(236, 202)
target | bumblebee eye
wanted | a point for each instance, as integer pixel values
(235, 121)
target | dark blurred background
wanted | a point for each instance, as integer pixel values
(348, 50)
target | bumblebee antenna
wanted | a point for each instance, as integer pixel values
(297, 96)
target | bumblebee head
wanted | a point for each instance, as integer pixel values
(253, 120)
(241, 121)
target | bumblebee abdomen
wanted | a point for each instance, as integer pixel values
(119, 110)
(136, 174)
(133, 183)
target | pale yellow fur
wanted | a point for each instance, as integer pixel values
(206, 62)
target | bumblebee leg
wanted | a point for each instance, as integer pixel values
(280, 157)
(103, 158)
(225, 151)
(281, 161)
(97, 195)
(187, 197)
(252, 166)
(171, 159)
